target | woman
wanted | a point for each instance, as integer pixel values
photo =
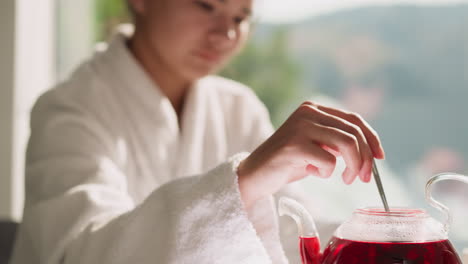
(140, 156)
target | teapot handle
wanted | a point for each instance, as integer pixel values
(436, 204)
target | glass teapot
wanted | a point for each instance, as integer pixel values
(374, 236)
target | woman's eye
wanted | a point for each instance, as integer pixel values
(205, 6)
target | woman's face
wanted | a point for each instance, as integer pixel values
(192, 38)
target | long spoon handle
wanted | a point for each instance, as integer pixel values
(378, 181)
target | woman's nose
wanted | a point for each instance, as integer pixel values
(224, 34)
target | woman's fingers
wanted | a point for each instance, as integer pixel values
(308, 142)
(346, 142)
(365, 171)
(370, 134)
(320, 162)
(343, 142)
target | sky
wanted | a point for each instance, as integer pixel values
(284, 11)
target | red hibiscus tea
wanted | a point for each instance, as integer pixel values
(343, 251)
(310, 250)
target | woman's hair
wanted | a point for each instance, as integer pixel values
(131, 11)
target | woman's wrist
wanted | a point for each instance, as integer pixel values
(245, 185)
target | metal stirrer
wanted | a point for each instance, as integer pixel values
(379, 186)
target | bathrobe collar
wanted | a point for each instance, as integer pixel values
(133, 83)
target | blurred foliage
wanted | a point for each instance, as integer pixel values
(269, 70)
(109, 13)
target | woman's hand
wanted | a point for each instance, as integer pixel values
(308, 143)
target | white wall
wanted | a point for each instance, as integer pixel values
(26, 69)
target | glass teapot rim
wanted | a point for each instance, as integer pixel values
(403, 212)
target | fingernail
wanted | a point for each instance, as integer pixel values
(323, 173)
(312, 170)
(382, 154)
(347, 176)
(363, 174)
(368, 176)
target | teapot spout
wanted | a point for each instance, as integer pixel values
(309, 243)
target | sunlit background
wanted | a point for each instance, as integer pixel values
(402, 65)
(278, 11)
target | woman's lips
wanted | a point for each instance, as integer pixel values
(209, 56)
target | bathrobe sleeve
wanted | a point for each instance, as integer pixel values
(78, 209)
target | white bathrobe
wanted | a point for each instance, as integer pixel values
(111, 177)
